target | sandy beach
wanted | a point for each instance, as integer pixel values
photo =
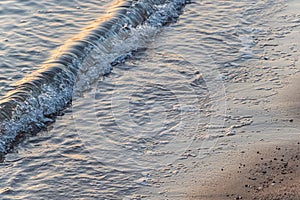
(153, 100)
(257, 156)
(265, 171)
(270, 172)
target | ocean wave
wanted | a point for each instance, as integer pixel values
(35, 100)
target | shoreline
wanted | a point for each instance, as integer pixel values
(265, 170)
(261, 158)
(267, 173)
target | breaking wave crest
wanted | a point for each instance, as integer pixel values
(35, 100)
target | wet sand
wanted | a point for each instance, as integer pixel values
(268, 168)
(266, 172)
(262, 161)
(261, 158)
(261, 171)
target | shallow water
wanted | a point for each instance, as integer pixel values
(31, 30)
(145, 113)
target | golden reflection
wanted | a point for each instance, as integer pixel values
(70, 42)
(85, 31)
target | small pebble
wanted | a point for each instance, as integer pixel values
(259, 188)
